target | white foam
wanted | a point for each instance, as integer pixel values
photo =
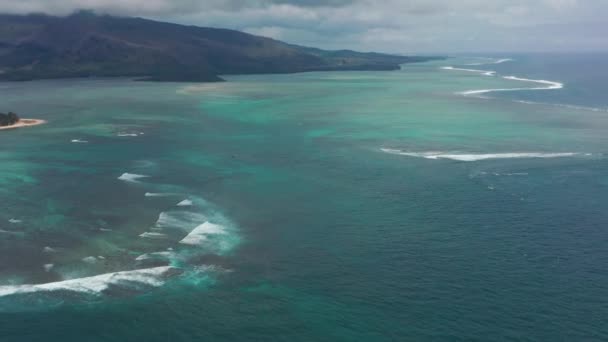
(504, 60)
(14, 221)
(48, 267)
(201, 233)
(185, 203)
(131, 177)
(127, 134)
(153, 235)
(78, 141)
(90, 260)
(157, 194)
(155, 255)
(549, 85)
(497, 174)
(484, 72)
(95, 285)
(48, 249)
(179, 219)
(482, 156)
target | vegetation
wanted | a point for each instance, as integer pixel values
(8, 119)
(89, 45)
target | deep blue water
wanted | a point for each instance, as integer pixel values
(584, 76)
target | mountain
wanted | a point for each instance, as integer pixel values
(89, 45)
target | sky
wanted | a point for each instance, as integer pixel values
(396, 26)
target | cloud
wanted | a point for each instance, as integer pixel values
(385, 25)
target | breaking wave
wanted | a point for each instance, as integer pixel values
(469, 157)
(493, 61)
(548, 85)
(202, 233)
(484, 72)
(545, 85)
(150, 277)
(185, 203)
(131, 177)
(158, 194)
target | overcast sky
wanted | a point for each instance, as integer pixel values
(403, 26)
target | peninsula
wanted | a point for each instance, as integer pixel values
(85, 44)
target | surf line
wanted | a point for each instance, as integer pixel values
(546, 85)
(498, 61)
(484, 72)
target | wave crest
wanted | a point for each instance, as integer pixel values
(149, 277)
(469, 157)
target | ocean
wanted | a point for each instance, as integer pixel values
(454, 200)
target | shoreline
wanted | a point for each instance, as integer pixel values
(24, 123)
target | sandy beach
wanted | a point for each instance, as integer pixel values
(24, 123)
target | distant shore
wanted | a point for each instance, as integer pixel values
(24, 123)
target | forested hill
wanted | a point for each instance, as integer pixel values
(90, 45)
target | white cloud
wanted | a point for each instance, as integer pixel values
(387, 25)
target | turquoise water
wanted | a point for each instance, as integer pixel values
(346, 206)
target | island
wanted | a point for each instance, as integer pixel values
(11, 120)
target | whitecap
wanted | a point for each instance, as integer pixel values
(549, 85)
(153, 277)
(185, 203)
(48, 267)
(90, 260)
(78, 141)
(510, 174)
(14, 221)
(184, 220)
(156, 255)
(484, 72)
(201, 233)
(504, 60)
(153, 235)
(494, 61)
(131, 177)
(482, 156)
(157, 194)
(174, 220)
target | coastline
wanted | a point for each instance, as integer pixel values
(213, 78)
(24, 123)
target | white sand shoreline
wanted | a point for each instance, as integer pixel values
(24, 123)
